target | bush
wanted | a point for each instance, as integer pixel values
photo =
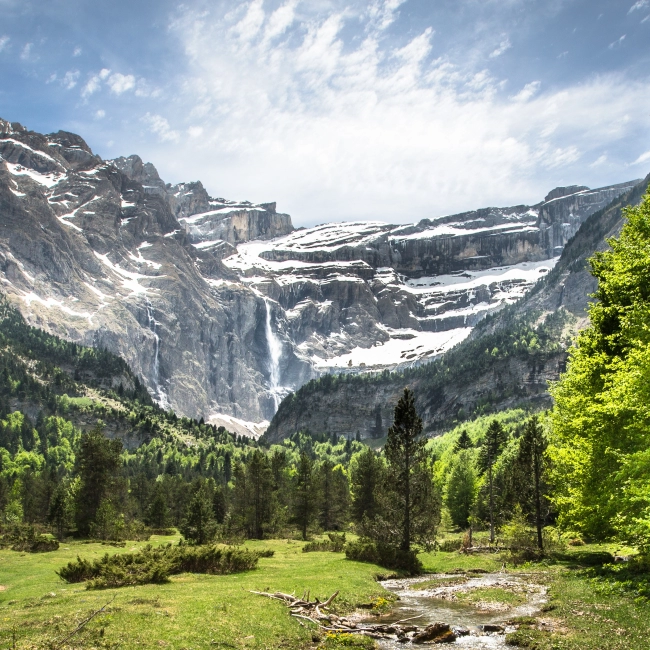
(334, 543)
(155, 565)
(28, 540)
(384, 555)
(450, 545)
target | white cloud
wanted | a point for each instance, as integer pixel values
(601, 160)
(643, 158)
(527, 92)
(618, 42)
(26, 51)
(334, 127)
(160, 126)
(120, 83)
(77, 51)
(503, 46)
(3, 42)
(383, 13)
(100, 114)
(70, 79)
(641, 4)
(95, 82)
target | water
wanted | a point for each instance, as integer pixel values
(275, 355)
(159, 393)
(433, 604)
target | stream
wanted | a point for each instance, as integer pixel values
(439, 598)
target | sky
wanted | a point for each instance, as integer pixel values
(392, 110)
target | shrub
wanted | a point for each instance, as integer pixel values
(450, 545)
(28, 540)
(384, 555)
(334, 543)
(155, 565)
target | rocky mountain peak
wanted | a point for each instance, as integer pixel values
(564, 191)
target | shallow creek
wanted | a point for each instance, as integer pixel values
(441, 599)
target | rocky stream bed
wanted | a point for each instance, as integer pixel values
(473, 610)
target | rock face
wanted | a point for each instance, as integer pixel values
(366, 407)
(221, 306)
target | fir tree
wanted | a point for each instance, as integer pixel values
(493, 444)
(411, 503)
(199, 525)
(365, 479)
(463, 442)
(304, 502)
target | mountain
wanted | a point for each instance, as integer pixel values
(507, 361)
(220, 306)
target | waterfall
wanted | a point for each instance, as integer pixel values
(275, 354)
(160, 394)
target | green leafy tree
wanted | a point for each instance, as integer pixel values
(494, 442)
(460, 492)
(410, 505)
(599, 436)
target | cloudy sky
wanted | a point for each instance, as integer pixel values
(340, 109)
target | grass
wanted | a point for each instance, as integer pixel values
(589, 608)
(492, 595)
(190, 612)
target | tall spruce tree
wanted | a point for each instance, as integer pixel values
(493, 444)
(411, 503)
(532, 448)
(304, 501)
(199, 525)
(97, 464)
(366, 470)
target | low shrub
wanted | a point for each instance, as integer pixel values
(155, 565)
(389, 557)
(28, 539)
(449, 545)
(335, 543)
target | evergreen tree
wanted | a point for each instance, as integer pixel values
(199, 525)
(366, 470)
(219, 507)
(157, 515)
(332, 495)
(304, 496)
(493, 444)
(410, 505)
(260, 482)
(460, 492)
(58, 511)
(97, 464)
(463, 442)
(532, 448)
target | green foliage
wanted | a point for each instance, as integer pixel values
(199, 525)
(384, 555)
(599, 445)
(155, 565)
(460, 492)
(335, 543)
(366, 477)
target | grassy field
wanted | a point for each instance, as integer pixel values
(588, 607)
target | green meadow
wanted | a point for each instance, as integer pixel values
(588, 607)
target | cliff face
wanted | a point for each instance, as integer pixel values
(221, 306)
(464, 384)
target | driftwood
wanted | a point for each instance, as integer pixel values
(315, 612)
(82, 624)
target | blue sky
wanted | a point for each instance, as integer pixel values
(389, 109)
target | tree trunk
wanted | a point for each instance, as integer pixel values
(406, 538)
(491, 507)
(538, 504)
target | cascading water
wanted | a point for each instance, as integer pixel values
(275, 354)
(160, 394)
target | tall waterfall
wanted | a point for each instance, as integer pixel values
(161, 397)
(275, 354)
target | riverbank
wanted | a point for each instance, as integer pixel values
(587, 607)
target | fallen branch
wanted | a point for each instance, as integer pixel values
(83, 624)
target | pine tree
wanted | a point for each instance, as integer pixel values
(411, 503)
(493, 444)
(199, 525)
(304, 502)
(157, 514)
(532, 448)
(260, 480)
(366, 470)
(463, 442)
(96, 464)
